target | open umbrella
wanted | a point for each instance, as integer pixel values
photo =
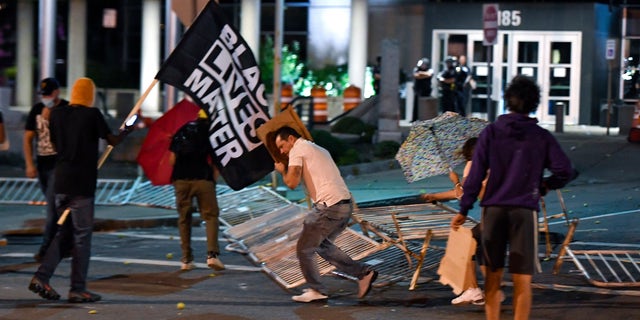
(430, 149)
(154, 152)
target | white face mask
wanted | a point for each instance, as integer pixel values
(48, 102)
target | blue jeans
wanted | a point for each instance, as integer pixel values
(76, 232)
(320, 228)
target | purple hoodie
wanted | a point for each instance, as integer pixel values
(515, 150)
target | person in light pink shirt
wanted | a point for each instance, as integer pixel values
(331, 212)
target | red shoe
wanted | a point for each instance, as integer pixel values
(43, 289)
(83, 296)
(364, 284)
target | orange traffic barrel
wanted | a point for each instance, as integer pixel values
(351, 98)
(286, 95)
(320, 112)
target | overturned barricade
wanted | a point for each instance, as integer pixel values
(270, 240)
(411, 229)
(395, 240)
(240, 206)
(609, 265)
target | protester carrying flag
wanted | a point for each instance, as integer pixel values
(75, 133)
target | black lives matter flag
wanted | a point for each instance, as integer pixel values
(215, 66)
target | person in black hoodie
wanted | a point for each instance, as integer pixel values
(76, 131)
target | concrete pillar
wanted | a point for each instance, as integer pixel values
(358, 42)
(24, 52)
(250, 25)
(389, 104)
(47, 41)
(328, 43)
(171, 40)
(77, 45)
(150, 56)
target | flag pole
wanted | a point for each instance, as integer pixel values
(277, 63)
(133, 111)
(109, 148)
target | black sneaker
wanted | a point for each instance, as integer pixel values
(83, 296)
(43, 289)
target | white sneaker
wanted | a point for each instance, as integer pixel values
(471, 295)
(215, 263)
(186, 266)
(309, 295)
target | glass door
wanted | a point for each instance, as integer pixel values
(562, 81)
(552, 59)
(498, 70)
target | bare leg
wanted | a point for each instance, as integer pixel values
(521, 296)
(471, 274)
(492, 293)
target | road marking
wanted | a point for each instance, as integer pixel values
(157, 236)
(600, 216)
(144, 262)
(567, 288)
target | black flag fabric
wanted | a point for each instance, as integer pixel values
(215, 66)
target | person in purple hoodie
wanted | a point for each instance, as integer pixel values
(516, 151)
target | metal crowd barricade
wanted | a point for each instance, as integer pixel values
(249, 237)
(410, 228)
(236, 207)
(609, 265)
(27, 191)
(20, 191)
(240, 206)
(143, 193)
(543, 221)
(270, 240)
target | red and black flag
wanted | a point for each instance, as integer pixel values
(215, 66)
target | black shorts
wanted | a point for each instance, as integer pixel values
(476, 232)
(515, 227)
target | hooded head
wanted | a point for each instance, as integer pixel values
(83, 92)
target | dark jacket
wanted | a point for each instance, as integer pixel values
(193, 150)
(515, 151)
